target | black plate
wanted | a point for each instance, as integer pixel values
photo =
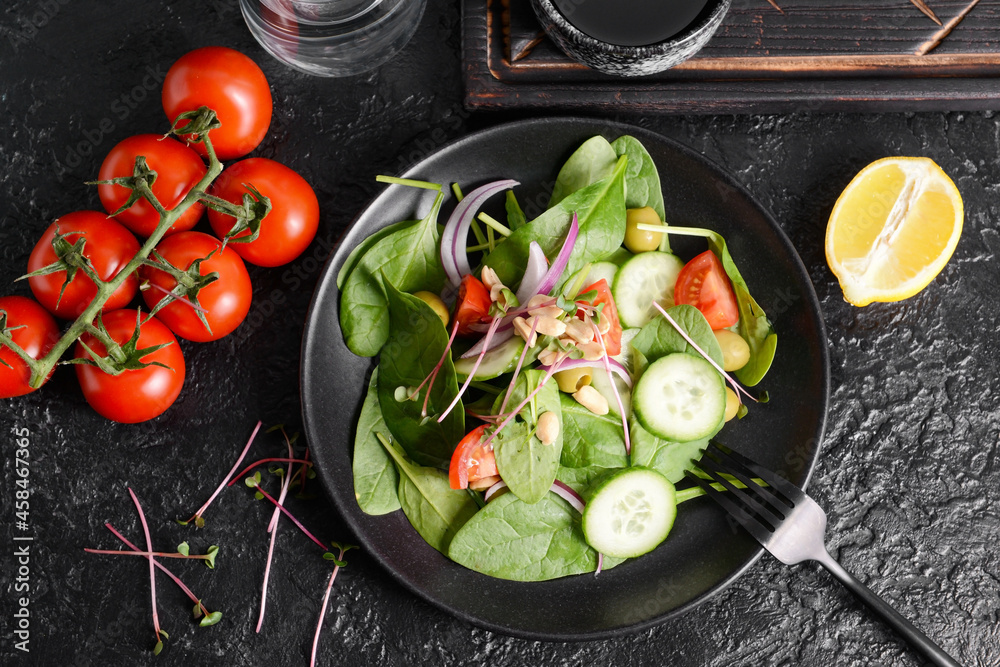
(704, 553)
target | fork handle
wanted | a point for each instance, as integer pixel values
(934, 653)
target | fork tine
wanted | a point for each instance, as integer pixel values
(763, 501)
(791, 492)
(750, 522)
(750, 507)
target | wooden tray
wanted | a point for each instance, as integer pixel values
(819, 55)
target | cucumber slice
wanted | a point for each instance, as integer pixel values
(599, 270)
(630, 513)
(496, 362)
(680, 397)
(647, 277)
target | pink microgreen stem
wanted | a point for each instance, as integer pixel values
(736, 386)
(600, 563)
(553, 369)
(146, 554)
(284, 511)
(322, 613)
(484, 418)
(277, 459)
(201, 510)
(472, 374)
(174, 297)
(614, 387)
(176, 580)
(520, 361)
(152, 565)
(434, 373)
(272, 528)
(302, 478)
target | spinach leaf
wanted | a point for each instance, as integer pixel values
(525, 464)
(416, 342)
(659, 338)
(670, 458)
(410, 258)
(515, 216)
(754, 326)
(593, 161)
(600, 209)
(363, 247)
(375, 477)
(592, 445)
(511, 539)
(642, 182)
(434, 509)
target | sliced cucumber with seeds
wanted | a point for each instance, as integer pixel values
(647, 277)
(680, 397)
(630, 513)
(497, 361)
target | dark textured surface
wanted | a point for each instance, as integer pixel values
(909, 469)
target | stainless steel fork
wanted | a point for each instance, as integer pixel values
(790, 525)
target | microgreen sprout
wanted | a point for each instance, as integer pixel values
(434, 373)
(338, 562)
(152, 578)
(182, 552)
(198, 516)
(306, 464)
(254, 483)
(272, 528)
(465, 385)
(200, 611)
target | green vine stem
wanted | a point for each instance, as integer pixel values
(42, 367)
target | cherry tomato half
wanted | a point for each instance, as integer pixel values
(703, 283)
(34, 330)
(178, 169)
(472, 305)
(470, 461)
(227, 300)
(290, 226)
(230, 84)
(134, 395)
(109, 247)
(613, 338)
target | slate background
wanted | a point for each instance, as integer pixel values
(909, 469)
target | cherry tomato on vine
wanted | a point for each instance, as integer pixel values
(291, 224)
(229, 83)
(135, 395)
(178, 169)
(471, 462)
(472, 305)
(34, 330)
(703, 283)
(226, 301)
(108, 246)
(613, 338)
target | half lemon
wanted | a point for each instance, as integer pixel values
(893, 229)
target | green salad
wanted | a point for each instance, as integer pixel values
(542, 385)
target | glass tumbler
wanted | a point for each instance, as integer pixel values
(333, 37)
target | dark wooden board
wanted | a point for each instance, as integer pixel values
(819, 55)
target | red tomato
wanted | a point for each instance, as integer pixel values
(36, 332)
(472, 305)
(134, 395)
(703, 283)
(227, 300)
(229, 83)
(613, 338)
(470, 461)
(109, 247)
(178, 169)
(290, 226)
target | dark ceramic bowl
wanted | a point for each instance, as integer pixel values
(630, 60)
(703, 553)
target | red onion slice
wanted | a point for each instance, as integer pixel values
(565, 492)
(454, 239)
(534, 272)
(616, 367)
(555, 271)
(492, 491)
